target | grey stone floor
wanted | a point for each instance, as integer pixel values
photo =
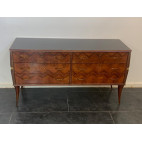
(71, 106)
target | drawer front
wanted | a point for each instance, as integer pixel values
(28, 73)
(40, 68)
(98, 73)
(84, 78)
(119, 57)
(41, 57)
(85, 58)
(102, 57)
(113, 68)
(86, 68)
(49, 78)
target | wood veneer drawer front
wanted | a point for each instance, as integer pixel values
(99, 68)
(97, 73)
(85, 57)
(45, 78)
(114, 57)
(100, 57)
(41, 57)
(81, 78)
(112, 68)
(41, 68)
(86, 68)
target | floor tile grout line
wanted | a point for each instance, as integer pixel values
(72, 112)
(85, 91)
(66, 112)
(68, 105)
(10, 117)
(111, 117)
(76, 111)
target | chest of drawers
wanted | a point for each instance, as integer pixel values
(36, 61)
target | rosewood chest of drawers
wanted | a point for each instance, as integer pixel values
(52, 61)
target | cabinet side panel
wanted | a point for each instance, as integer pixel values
(127, 66)
(12, 67)
(71, 68)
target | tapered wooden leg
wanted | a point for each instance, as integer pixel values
(120, 87)
(111, 86)
(17, 94)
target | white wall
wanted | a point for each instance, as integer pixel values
(129, 30)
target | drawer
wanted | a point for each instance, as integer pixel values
(84, 78)
(81, 72)
(98, 73)
(45, 78)
(99, 68)
(114, 57)
(100, 57)
(85, 57)
(86, 68)
(40, 68)
(112, 68)
(41, 57)
(33, 73)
